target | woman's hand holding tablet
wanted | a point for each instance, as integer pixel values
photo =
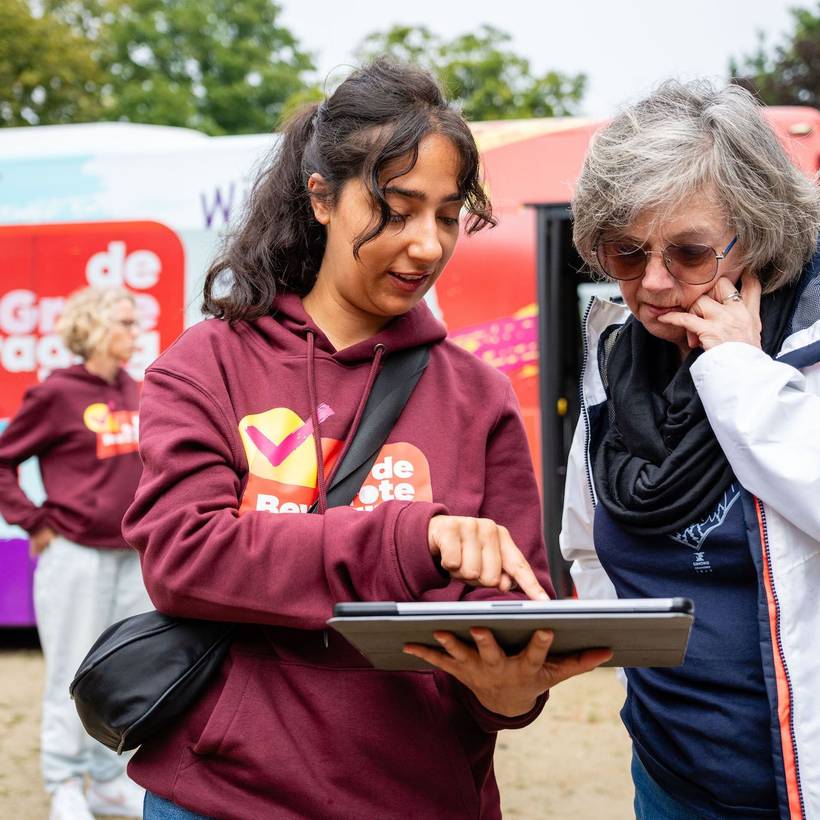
(506, 684)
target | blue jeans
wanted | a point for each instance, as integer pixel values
(653, 803)
(157, 808)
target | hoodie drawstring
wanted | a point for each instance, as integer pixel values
(314, 418)
(321, 480)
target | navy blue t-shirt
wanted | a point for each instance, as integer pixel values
(702, 730)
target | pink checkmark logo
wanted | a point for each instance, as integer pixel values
(277, 453)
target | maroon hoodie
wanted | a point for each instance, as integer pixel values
(84, 432)
(297, 725)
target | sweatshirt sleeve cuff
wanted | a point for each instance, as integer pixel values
(35, 521)
(493, 722)
(417, 567)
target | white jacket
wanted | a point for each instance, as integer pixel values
(766, 415)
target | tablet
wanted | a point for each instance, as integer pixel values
(640, 631)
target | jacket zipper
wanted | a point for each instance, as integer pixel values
(582, 402)
(761, 510)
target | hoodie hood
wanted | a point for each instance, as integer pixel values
(78, 373)
(412, 329)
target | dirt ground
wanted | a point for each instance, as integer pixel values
(571, 764)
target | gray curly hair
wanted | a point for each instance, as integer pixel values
(687, 137)
(85, 322)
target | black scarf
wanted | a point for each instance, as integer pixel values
(659, 466)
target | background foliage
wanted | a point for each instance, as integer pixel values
(789, 74)
(232, 67)
(480, 72)
(222, 66)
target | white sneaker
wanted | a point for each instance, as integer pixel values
(120, 797)
(68, 802)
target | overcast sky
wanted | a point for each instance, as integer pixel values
(624, 46)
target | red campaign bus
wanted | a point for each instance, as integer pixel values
(145, 206)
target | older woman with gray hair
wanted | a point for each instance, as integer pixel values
(82, 424)
(695, 468)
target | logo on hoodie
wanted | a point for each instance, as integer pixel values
(695, 535)
(281, 452)
(117, 431)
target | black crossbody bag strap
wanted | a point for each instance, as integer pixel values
(391, 390)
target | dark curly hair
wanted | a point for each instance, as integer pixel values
(373, 122)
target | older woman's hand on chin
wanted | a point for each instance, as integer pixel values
(722, 315)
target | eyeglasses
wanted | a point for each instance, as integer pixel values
(690, 263)
(128, 324)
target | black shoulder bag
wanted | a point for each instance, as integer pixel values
(144, 671)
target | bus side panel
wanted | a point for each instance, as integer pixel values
(487, 298)
(16, 600)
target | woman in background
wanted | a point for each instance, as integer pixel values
(82, 425)
(695, 468)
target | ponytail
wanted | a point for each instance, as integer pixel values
(279, 244)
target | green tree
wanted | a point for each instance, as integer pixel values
(790, 75)
(481, 73)
(47, 73)
(221, 66)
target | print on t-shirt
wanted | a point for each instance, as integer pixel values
(695, 535)
(281, 454)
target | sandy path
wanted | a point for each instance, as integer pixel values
(572, 763)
